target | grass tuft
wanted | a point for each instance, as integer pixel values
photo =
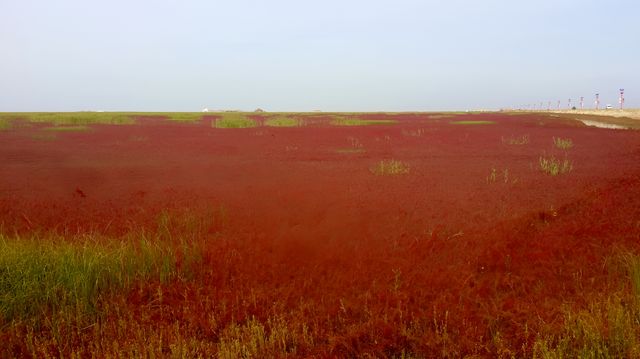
(563, 143)
(553, 166)
(390, 167)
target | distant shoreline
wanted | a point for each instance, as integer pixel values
(612, 118)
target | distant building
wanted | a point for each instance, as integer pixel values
(259, 110)
(205, 109)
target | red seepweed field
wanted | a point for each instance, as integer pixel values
(319, 235)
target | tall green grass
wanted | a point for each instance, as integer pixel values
(41, 275)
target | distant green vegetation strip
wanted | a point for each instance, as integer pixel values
(72, 118)
(233, 120)
(41, 275)
(67, 128)
(469, 122)
(283, 122)
(352, 121)
(183, 116)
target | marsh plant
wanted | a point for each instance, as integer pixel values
(390, 167)
(503, 176)
(563, 143)
(515, 140)
(553, 166)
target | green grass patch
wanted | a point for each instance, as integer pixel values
(563, 143)
(553, 166)
(67, 128)
(390, 168)
(45, 275)
(283, 122)
(471, 122)
(233, 120)
(352, 121)
(183, 116)
(5, 124)
(73, 118)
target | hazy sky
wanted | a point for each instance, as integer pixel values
(68, 55)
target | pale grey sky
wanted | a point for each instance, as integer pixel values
(344, 55)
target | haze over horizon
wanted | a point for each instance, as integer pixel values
(285, 55)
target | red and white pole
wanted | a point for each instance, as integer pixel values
(621, 99)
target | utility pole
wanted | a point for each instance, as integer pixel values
(621, 99)
(581, 102)
(597, 101)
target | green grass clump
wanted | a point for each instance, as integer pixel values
(470, 122)
(5, 124)
(44, 275)
(390, 167)
(283, 122)
(563, 143)
(233, 120)
(183, 116)
(76, 118)
(554, 166)
(67, 128)
(351, 121)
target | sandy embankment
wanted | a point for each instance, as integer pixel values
(613, 118)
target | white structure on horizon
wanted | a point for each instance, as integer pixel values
(206, 109)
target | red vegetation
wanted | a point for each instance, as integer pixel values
(441, 261)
